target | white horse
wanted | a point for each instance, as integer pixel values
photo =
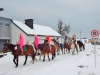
(73, 47)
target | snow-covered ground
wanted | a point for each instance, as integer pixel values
(63, 64)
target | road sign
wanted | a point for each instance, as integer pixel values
(94, 33)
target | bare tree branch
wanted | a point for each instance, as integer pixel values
(63, 29)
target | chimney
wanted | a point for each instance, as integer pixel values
(29, 23)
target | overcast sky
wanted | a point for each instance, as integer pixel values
(82, 15)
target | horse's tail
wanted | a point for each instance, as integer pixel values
(54, 53)
(33, 55)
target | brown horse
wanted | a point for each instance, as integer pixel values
(57, 46)
(46, 50)
(16, 53)
(67, 46)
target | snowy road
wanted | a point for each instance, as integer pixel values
(63, 64)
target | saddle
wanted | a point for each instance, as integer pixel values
(49, 46)
(24, 48)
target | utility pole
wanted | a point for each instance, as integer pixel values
(80, 34)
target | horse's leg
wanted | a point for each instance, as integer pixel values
(80, 49)
(14, 60)
(52, 55)
(44, 57)
(77, 49)
(40, 55)
(25, 59)
(33, 57)
(17, 62)
(48, 57)
(64, 50)
(73, 51)
(83, 47)
(58, 51)
(69, 50)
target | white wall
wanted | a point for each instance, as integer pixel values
(15, 31)
(30, 39)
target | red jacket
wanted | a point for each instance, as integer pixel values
(48, 38)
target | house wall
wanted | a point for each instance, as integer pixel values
(15, 31)
(15, 35)
(30, 39)
(5, 31)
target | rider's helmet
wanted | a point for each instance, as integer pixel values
(73, 37)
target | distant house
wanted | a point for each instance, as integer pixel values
(10, 29)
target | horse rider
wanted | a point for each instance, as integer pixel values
(74, 40)
(36, 42)
(57, 40)
(81, 40)
(21, 42)
(66, 40)
(48, 39)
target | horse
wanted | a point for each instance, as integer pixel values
(67, 46)
(73, 47)
(81, 45)
(57, 46)
(16, 53)
(39, 51)
(46, 50)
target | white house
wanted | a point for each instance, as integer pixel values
(29, 31)
(10, 29)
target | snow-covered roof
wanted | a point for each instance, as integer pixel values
(37, 29)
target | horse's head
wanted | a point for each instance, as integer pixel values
(5, 48)
(78, 42)
(53, 40)
(45, 42)
(8, 47)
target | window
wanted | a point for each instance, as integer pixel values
(5, 24)
(1, 24)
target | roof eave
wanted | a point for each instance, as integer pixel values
(43, 35)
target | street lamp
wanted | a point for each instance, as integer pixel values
(1, 9)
